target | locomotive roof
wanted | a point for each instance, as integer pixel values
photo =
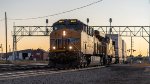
(67, 21)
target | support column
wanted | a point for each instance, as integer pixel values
(14, 44)
(14, 47)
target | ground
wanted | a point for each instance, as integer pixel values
(114, 74)
(129, 74)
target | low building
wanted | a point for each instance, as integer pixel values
(28, 54)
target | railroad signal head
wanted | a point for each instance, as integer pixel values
(128, 50)
(87, 20)
(110, 20)
(46, 20)
(134, 50)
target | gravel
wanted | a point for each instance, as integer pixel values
(106, 75)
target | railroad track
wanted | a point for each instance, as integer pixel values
(21, 74)
(21, 67)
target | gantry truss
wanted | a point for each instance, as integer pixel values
(126, 31)
(21, 31)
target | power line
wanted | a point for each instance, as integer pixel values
(61, 12)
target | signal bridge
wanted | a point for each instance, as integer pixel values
(125, 31)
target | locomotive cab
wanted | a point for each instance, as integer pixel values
(66, 34)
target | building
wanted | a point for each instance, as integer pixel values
(28, 54)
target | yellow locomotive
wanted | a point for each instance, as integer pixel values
(74, 44)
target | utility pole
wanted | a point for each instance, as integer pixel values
(6, 32)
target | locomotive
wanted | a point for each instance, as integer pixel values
(75, 44)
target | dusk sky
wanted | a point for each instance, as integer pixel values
(123, 13)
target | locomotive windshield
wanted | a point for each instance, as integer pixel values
(69, 24)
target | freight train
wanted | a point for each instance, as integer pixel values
(75, 44)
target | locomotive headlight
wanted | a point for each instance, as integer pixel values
(54, 47)
(70, 47)
(64, 33)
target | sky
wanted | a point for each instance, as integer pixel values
(123, 13)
